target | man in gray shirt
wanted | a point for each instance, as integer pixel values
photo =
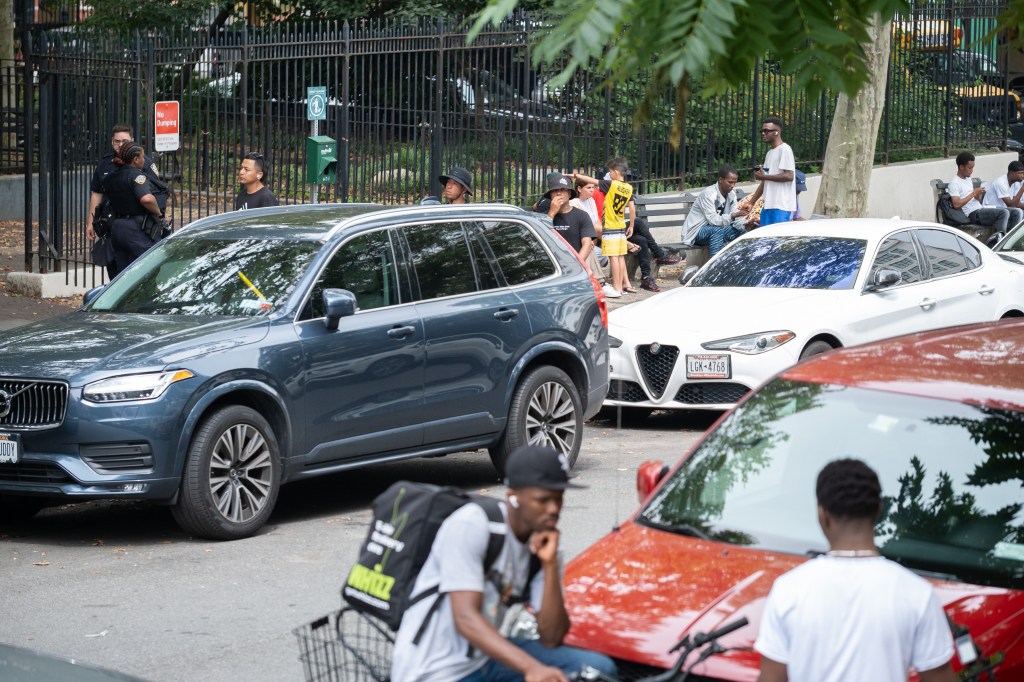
(714, 220)
(467, 635)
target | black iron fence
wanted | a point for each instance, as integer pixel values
(406, 101)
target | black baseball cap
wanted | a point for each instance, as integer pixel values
(538, 466)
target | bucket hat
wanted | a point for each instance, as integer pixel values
(459, 175)
(556, 182)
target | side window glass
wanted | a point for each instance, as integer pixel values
(365, 265)
(898, 253)
(486, 276)
(519, 252)
(943, 251)
(441, 259)
(971, 253)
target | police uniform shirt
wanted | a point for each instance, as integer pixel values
(125, 190)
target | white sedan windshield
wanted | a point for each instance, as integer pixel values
(786, 262)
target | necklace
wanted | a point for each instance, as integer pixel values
(854, 553)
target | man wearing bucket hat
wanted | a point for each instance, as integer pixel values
(476, 633)
(458, 184)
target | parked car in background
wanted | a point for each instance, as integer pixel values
(255, 348)
(938, 415)
(773, 297)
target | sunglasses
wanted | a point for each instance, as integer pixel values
(765, 131)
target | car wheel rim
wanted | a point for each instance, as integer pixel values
(551, 418)
(240, 473)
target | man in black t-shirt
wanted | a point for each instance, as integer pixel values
(251, 175)
(573, 224)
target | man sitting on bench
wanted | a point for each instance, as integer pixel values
(714, 219)
(964, 196)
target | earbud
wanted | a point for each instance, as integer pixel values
(514, 501)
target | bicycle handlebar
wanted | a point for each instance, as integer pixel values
(701, 638)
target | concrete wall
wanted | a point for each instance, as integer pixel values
(12, 197)
(903, 189)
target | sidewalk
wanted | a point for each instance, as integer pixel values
(16, 309)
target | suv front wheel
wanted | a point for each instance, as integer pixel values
(231, 477)
(545, 410)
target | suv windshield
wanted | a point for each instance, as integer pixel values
(193, 276)
(786, 262)
(950, 474)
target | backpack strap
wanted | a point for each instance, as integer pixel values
(497, 528)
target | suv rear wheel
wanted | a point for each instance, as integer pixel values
(232, 476)
(546, 410)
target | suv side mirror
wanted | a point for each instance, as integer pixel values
(91, 295)
(882, 278)
(338, 303)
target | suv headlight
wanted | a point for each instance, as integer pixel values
(751, 344)
(133, 386)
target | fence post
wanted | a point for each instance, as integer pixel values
(756, 120)
(436, 129)
(45, 145)
(28, 120)
(341, 189)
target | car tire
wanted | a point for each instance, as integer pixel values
(231, 478)
(15, 508)
(814, 348)
(546, 410)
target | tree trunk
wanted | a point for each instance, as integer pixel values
(850, 153)
(9, 139)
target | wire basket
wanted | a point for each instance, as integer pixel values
(345, 646)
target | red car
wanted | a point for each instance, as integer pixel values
(939, 416)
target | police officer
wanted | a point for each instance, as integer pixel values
(121, 133)
(137, 202)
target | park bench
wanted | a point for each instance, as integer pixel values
(979, 232)
(665, 216)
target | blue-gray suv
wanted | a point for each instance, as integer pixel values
(261, 347)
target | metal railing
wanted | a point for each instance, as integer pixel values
(408, 100)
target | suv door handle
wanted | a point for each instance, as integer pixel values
(985, 289)
(927, 303)
(401, 332)
(506, 314)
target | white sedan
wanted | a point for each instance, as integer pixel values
(784, 292)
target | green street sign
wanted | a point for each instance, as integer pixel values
(316, 103)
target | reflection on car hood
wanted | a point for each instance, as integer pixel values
(64, 347)
(726, 310)
(638, 591)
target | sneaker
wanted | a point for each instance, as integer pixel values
(668, 259)
(610, 291)
(648, 284)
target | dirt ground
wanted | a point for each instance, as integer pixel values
(12, 259)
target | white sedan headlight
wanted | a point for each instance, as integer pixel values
(751, 344)
(133, 386)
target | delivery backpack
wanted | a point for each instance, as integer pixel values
(406, 518)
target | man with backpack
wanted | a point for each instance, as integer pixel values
(475, 628)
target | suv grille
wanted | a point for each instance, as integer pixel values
(27, 404)
(711, 393)
(656, 367)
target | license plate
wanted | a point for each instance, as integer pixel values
(10, 448)
(708, 367)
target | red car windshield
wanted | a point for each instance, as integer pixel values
(951, 478)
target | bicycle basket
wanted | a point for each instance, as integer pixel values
(345, 646)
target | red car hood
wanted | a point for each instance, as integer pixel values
(638, 591)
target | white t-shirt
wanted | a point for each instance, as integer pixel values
(833, 619)
(456, 563)
(997, 190)
(960, 188)
(780, 195)
(590, 206)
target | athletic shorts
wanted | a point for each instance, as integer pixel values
(770, 216)
(614, 244)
